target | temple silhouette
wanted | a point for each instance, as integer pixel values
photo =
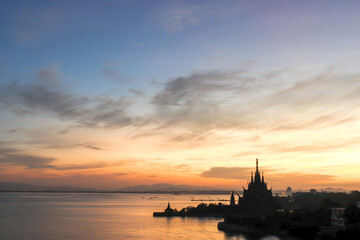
(257, 188)
(257, 198)
(302, 215)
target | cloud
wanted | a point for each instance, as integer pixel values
(299, 178)
(192, 136)
(14, 157)
(325, 120)
(113, 75)
(272, 176)
(50, 99)
(52, 138)
(82, 166)
(50, 74)
(91, 146)
(326, 88)
(228, 172)
(176, 17)
(53, 143)
(246, 100)
(183, 90)
(47, 74)
(315, 146)
(212, 99)
(137, 92)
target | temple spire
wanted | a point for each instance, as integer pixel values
(257, 177)
(262, 177)
(252, 178)
(169, 210)
(232, 199)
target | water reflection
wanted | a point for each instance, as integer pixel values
(229, 236)
(233, 236)
(102, 217)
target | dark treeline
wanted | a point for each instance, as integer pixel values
(315, 201)
(303, 215)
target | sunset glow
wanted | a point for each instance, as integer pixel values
(113, 94)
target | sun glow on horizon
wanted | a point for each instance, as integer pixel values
(188, 93)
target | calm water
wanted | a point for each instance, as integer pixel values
(59, 216)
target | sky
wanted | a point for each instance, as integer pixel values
(112, 94)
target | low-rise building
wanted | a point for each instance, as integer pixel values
(337, 217)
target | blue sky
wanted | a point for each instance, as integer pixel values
(165, 39)
(74, 74)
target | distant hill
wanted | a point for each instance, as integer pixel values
(329, 190)
(160, 187)
(334, 190)
(6, 186)
(164, 187)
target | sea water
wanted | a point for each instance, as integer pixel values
(104, 216)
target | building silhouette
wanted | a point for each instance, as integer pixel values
(257, 188)
(288, 192)
(257, 198)
(169, 210)
(232, 199)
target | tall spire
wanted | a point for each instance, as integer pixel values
(262, 177)
(232, 198)
(252, 179)
(257, 177)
